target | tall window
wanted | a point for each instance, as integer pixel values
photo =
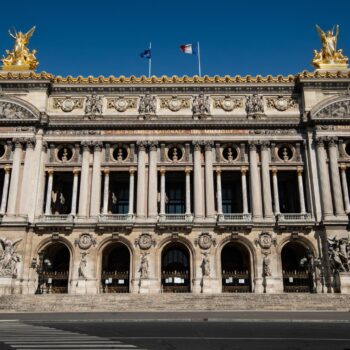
(175, 193)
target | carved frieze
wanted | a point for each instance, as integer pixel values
(145, 241)
(85, 241)
(255, 106)
(9, 110)
(228, 103)
(340, 109)
(205, 241)
(147, 104)
(281, 103)
(121, 103)
(200, 106)
(174, 103)
(68, 104)
(93, 106)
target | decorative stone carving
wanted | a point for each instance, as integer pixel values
(339, 254)
(205, 265)
(205, 241)
(274, 132)
(121, 104)
(255, 106)
(339, 109)
(73, 132)
(145, 241)
(68, 104)
(266, 266)
(144, 266)
(227, 103)
(9, 257)
(265, 241)
(85, 241)
(93, 106)
(82, 266)
(147, 104)
(281, 103)
(174, 103)
(201, 106)
(10, 110)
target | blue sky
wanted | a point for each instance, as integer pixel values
(236, 37)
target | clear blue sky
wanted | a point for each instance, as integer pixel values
(236, 37)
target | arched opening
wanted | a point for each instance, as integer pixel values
(53, 270)
(115, 274)
(235, 268)
(176, 269)
(297, 269)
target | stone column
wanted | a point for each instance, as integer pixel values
(41, 181)
(152, 181)
(14, 182)
(219, 190)
(84, 180)
(162, 192)
(49, 191)
(95, 202)
(326, 196)
(105, 191)
(266, 185)
(345, 188)
(301, 190)
(275, 191)
(5, 190)
(188, 191)
(255, 186)
(131, 190)
(141, 180)
(335, 178)
(73, 210)
(198, 184)
(244, 189)
(27, 177)
(209, 181)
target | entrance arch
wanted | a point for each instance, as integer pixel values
(115, 274)
(54, 269)
(296, 259)
(176, 269)
(235, 268)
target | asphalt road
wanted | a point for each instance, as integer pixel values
(191, 331)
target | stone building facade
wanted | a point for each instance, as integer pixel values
(155, 185)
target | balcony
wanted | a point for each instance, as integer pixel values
(55, 220)
(175, 220)
(234, 219)
(294, 219)
(124, 222)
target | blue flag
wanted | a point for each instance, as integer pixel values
(146, 54)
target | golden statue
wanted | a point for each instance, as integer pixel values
(20, 58)
(329, 57)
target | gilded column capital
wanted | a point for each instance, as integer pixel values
(342, 166)
(188, 170)
(218, 170)
(162, 171)
(300, 170)
(274, 170)
(50, 171)
(244, 170)
(132, 171)
(7, 168)
(106, 171)
(76, 171)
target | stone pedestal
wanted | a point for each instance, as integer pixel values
(82, 286)
(274, 285)
(344, 279)
(206, 285)
(144, 286)
(6, 285)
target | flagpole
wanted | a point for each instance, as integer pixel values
(199, 60)
(150, 61)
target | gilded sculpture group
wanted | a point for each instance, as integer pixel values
(21, 58)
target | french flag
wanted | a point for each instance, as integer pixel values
(191, 49)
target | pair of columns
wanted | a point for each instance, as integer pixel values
(244, 190)
(162, 192)
(106, 191)
(300, 189)
(330, 182)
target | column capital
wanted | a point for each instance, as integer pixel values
(97, 146)
(332, 141)
(342, 166)
(132, 170)
(188, 170)
(30, 142)
(86, 145)
(208, 145)
(153, 145)
(7, 168)
(45, 146)
(300, 170)
(274, 170)
(320, 141)
(142, 145)
(244, 170)
(265, 145)
(50, 171)
(253, 145)
(197, 145)
(106, 171)
(218, 170)
(18, 142)
(162, 171)
(76, 171)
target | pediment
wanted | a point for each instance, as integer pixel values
(334, 108)
(15, 109)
